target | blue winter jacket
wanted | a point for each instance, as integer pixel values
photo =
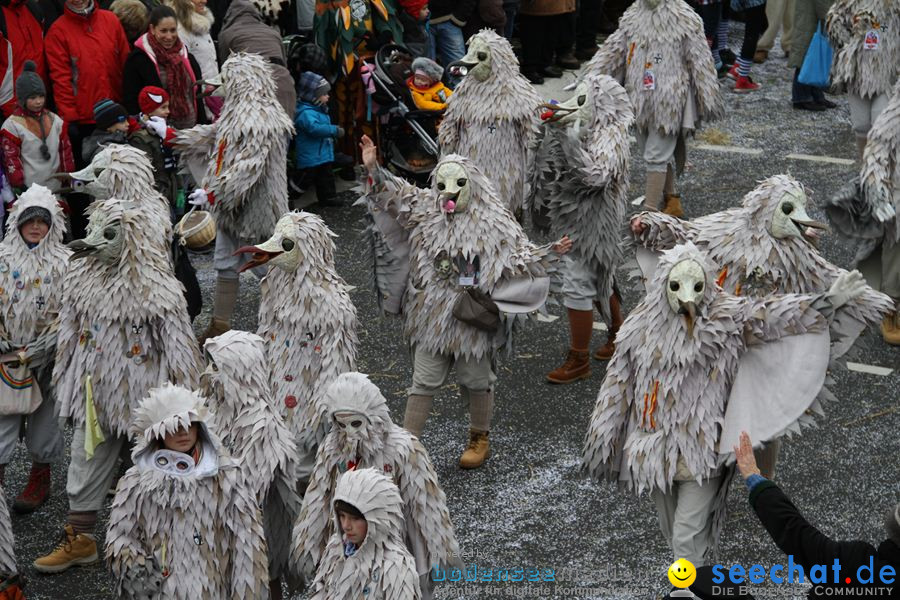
(314, 144)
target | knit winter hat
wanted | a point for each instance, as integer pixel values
(151, 97)
(310, 86)
(892, 524)
(35, 212)
(428, 68)
(107, 113)
(29, 84)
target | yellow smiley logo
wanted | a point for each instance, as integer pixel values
(682, 573)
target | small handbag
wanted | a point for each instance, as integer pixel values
(474, 307)
(18, 393)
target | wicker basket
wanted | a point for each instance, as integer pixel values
(196, 229)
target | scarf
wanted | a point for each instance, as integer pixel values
(177, 80)
(201, 23)
(349, 548)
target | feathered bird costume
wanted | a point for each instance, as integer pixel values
(492, 117)
(864, 34)
(247, 421)
(381, 567)
(184, 526)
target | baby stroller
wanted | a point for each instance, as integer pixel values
(406, 137)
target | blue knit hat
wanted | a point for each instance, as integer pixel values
(107, 113)
(311, 86)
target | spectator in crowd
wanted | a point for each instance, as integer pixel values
(86, 49)
(21, 24)
(134, 17)
(755, 24)
(780, 14)
(547, 29)
(195, 21)
(35, 141)
(112, 127)
(446, 42)
(808, 546)
(413, 15)
(711, 13)
(425, 85)
(511, 8)
(160, 56)
(243, 30)
(807, 16)
(590, 14)
(314, 144)
(153, 138)
(488, 14)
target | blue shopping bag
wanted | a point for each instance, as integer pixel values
(816, 69)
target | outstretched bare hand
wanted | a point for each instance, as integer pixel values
(563, 245)
(746, 461)
(369, 154)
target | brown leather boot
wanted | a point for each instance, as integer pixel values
(215, 328)
(890, 329)
(36, 491)
(478, 450)
(673, 205)
(577, 366)
(605, 351)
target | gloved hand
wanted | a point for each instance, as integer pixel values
(340, 132)
(199, 198)
(142, 580)
(848, 286)
(158, 126)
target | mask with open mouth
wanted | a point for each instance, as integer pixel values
(685, 290)
(281, 250)
(454, 193)
(576, 109)
(476, 62)
(104, 242)
(791, 219)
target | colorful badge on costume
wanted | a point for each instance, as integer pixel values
(873, 40)
(468, 271)
(649, 81)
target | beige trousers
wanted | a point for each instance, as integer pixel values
(780, 14)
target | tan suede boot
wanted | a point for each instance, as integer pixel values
(478, 450)
(890, 329)
(74, 549)
(673, 205)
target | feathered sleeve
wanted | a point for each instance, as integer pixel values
(428, 518)
(239, 165)
(661, 231)
(195, 148)
(776, 317)
(387, 193)
(703, 75)
(611, 58)
(41, 350)
(180, 352)
(330, 561)
(839, 23)
(311, 530)
(249, 574)
(448, 132)
(881, 160)
(399, 578)
(605, 438)
(133, 567)
(7, 543)
(66, 342)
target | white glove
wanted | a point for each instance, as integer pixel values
(848, 286)
(199, 198)
(157, 125)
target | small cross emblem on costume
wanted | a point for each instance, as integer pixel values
(492, 128)
(197, 539)
(657, 58)
(40, 302)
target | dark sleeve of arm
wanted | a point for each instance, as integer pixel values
(464, 10)
(135, 79)
(795, 536)
(198, 75)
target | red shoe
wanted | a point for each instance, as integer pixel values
(36, 491)
(745, 84)
(733, 72)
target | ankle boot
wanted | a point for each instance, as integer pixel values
(223, 307)
(605, 351)
(477, 451)
(890, 330)
(36, 491)
(215, 328)
(673, 205)
(577, 366)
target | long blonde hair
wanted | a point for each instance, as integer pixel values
(184, 12)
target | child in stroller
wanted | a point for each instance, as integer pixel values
(425, 85)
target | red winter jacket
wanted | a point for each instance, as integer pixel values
(26, 35)
(86, 57)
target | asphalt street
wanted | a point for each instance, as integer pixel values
(529, 507)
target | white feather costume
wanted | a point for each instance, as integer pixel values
(243, 154)
(865, 35)
(381, 568)
(492, 118)
(236, 385)
(184, 534)
(308, 323)
(759, 249)
(31, 285)
(582, 173)
(123, 320)
(7, 541)
(670, 387)
(364, 436)
(668, 43)
(486, 229)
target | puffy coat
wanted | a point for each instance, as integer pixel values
(26, 38)
(314, 144)
(86, 57)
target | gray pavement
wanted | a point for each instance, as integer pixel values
(528, 506)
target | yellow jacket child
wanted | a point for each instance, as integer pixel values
(428, 92)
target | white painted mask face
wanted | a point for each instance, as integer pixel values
(88, 180)
(478, 59)
(454, 191)
(790, 218)
(281, 250)
(104, 241)
(353, 425)
(576, 111)
(685, 288)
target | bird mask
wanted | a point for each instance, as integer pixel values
(790, 218)
(104, 242)
(575, 112)
(476, 62)
(685, 289)
(454, 191)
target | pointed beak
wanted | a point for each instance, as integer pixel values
(80, 249)
(260, 256)
(554, 112)
(689, 310)
(460, 67)
(804, 224)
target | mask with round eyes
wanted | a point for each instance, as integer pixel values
(685, 288)
(454, 192)
(352, 425)
(281, 250)
(790, 218)
(104, 242)
(477, 60)
(173, 463)
(574, 111)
